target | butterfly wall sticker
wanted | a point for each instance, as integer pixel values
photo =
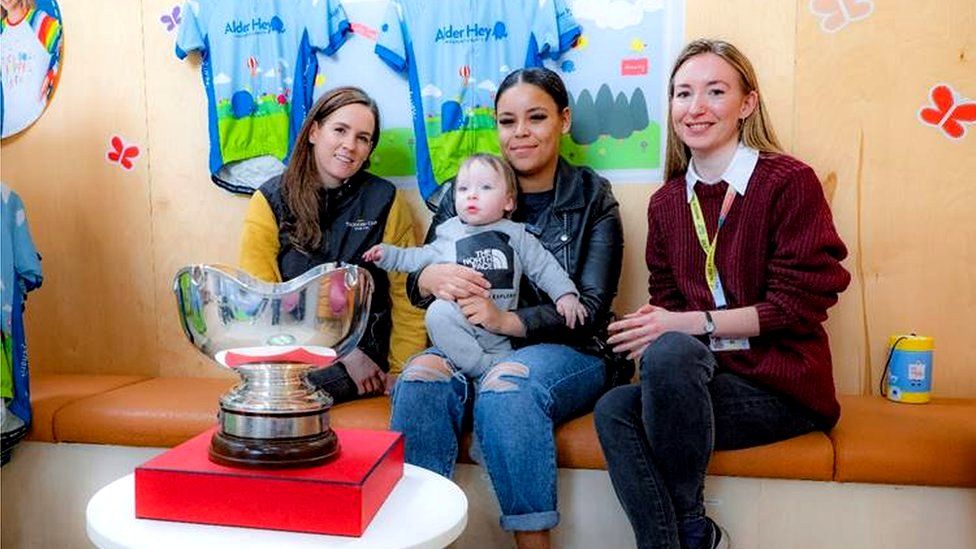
(949, 111)
(837, 14)
(122, 154)
(171, 19)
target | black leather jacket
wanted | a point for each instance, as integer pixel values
(583, 231)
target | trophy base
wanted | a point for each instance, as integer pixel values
(264, 453)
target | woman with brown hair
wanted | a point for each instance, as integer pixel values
(326, 208)
(744, 262)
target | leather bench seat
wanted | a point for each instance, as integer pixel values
(163, 411)
(875, 441)
(50, 393)
(931, 444)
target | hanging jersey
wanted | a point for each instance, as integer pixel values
(26, 61)
(454, 55)
(20, 272)
(258, 66)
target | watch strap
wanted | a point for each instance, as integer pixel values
(709, 323)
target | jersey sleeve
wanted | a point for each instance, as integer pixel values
(48, 31)
(409, 336)
(27, 262)
(391, 45)
(554, 30)
(328, 25)
(193, 32)
(259, 241)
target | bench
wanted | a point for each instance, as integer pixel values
(876, 442)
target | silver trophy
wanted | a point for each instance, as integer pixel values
(273, 335)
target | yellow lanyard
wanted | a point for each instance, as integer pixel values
(711, 271)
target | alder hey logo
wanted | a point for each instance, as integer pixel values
(490, 254)
(256, 25)
(473, 32)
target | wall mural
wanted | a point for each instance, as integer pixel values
(31, 47)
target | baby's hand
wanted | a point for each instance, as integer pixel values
(572, 310)
(373, 254)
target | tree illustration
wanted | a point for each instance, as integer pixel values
(619, 124)
(586, 122)
(638, 111)
(604, 104)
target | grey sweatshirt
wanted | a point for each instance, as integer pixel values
(501, 251)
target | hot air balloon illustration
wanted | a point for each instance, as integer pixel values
(252, 65)
(465, 73)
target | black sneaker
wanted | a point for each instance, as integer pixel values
(715, 537)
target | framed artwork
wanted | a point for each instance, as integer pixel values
(31, 47)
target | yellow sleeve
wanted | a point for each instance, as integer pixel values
(259, 241)
(409, 336)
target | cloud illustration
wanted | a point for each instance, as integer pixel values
(431, 90)
(615, 14)
(221, 78)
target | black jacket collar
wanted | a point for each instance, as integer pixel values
(569, 191)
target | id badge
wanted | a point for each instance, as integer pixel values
(719, 344)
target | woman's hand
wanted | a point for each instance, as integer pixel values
(365, 373)
(452, 282)
(483, 312)
(638, 329)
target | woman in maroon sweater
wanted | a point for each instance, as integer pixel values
(744, 262)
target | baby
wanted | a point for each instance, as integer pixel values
(481, 237)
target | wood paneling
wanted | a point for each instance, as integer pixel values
(905, 197)
(90, 219)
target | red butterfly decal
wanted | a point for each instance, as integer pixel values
(948, 114)
(122, 153)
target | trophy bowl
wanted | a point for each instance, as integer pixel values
(273, 336)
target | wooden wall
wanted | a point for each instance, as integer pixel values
(903, 194)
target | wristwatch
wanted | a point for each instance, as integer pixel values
(709, 324)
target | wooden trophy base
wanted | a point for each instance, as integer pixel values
(296, 452)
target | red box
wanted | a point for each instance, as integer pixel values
(340, 497)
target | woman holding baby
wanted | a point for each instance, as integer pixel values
(554, 372)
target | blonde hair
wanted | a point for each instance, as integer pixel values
(301, 181)
(501, 167)
(755, 131)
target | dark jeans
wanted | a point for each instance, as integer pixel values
(658, 436)
(336, 381)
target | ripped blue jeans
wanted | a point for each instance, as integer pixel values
(516, 404)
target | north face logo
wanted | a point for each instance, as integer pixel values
(490, 254)
(487, 260)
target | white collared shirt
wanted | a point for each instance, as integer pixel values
(737, 174)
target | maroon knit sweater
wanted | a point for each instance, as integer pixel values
(779, 251)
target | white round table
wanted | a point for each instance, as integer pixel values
(423, 510)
